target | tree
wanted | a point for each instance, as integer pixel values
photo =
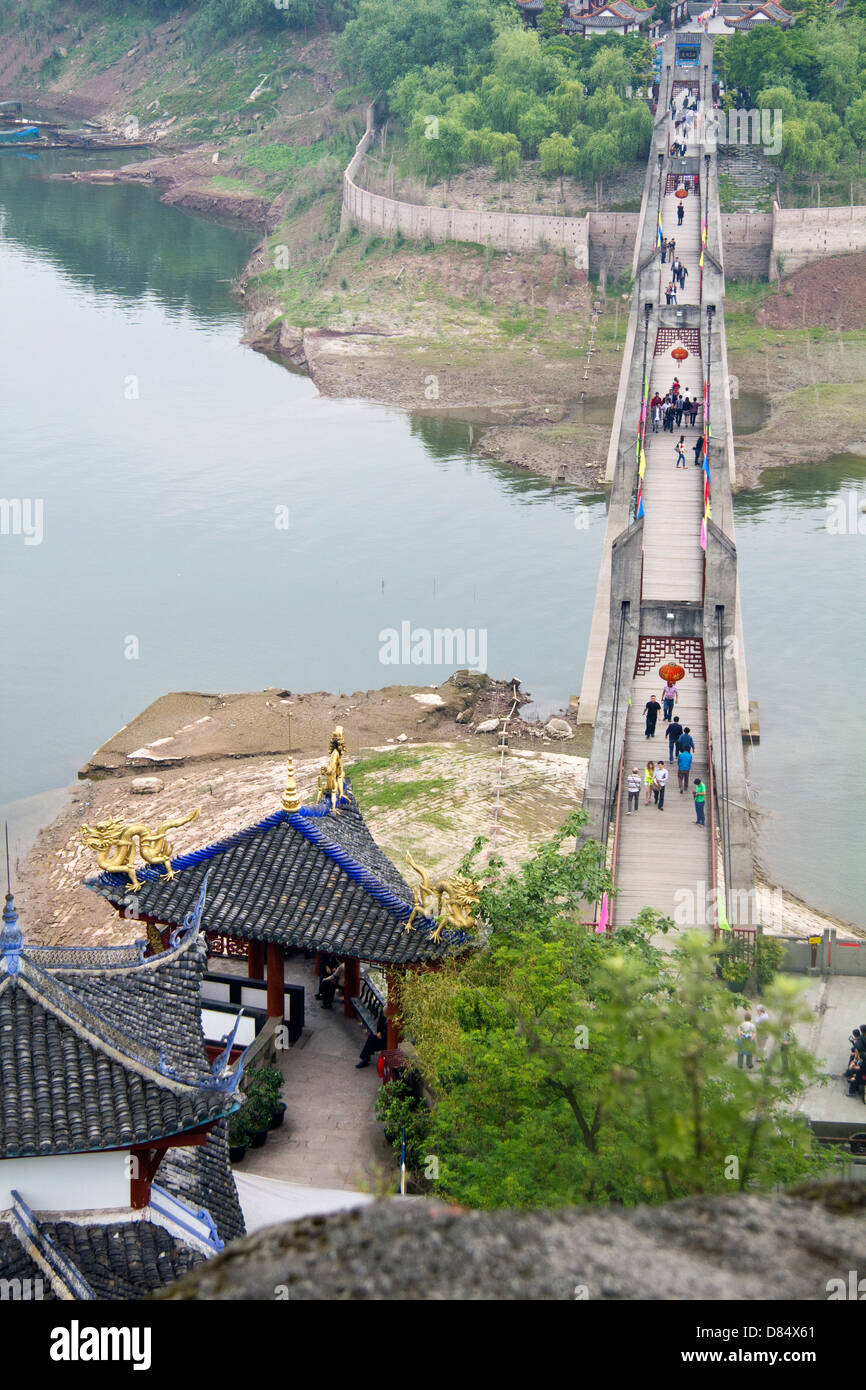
(550, 19)
(610, 69)
(558, 154)
(503, 152)
(598, 158)
(855, 123)
(565, 1067)
(439, 144)
(533, 124)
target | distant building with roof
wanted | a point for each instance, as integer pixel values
(306, 877)
(768, 13)
(587, 17)
(114, 1171)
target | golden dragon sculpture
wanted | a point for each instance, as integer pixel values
(331, 781)
(451, 902)
(115, 844)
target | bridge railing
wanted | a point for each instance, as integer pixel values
(615, 853)
(711, 799)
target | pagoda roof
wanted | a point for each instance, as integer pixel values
(127, 1258)
(761, 14)
(312, 878)
(611, 15)
(101, 1048)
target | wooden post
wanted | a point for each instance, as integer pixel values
(394, 1033)
(255, 960)
(275, 979)
(351, 985)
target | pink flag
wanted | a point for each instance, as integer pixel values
(704, 534)
(603, 915)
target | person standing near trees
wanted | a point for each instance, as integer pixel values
(746, 1042)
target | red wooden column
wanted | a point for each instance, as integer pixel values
(255, 960)
(275, 978)
(393, 1039)
(351, 985)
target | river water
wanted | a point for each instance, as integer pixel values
(201, 519)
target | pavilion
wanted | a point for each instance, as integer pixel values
(768, 13)
(614, 17)
(106, 1085)
(305, 877)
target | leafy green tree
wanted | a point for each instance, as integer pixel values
(503, 152)
(778, 99)
(558, 154)
(598, 159)
(388, 38)
(534, 123)
(521, 60)
(855, 122)
(438, 143)
(610, 69)
(550, 19)
(633, 130)
(566, 102)
(571, 1068)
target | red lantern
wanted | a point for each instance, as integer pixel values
(671, 673)
(682, 193)
(679, 354)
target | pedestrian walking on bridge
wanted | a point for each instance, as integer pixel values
(648, 778)
(684, 763)
(681, 457)
(699, 793)
(681, 212)
(651, 710)
(660, 781)
(634, 782)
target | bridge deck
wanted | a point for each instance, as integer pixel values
(663, 858)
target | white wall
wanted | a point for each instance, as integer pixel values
(67, 1182)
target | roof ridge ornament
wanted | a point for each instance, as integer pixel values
(115, 842)
(11, 937)
(332, 779)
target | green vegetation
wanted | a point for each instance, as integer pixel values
(567, 1068)
(472, 87)
(814, 74)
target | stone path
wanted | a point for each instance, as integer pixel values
(331, 1137)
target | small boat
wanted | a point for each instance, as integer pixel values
(24, 132)
(10, 110)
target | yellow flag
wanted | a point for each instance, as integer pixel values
(642, 465)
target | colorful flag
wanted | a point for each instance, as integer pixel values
(701, 262)
(638, 512)
(603, 915)
(704, 534)
(642, 465)
(660, 238)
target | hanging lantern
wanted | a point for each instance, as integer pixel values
(679, 354)
(671, 673)
(682, 193)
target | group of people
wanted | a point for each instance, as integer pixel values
(855, 1072)
(670, 409)
(681, 748)
(668, 248)
(750, 1037)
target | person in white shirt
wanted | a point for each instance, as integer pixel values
(745, 1042)
(659, 784)
(762, 1018)
(635, 782)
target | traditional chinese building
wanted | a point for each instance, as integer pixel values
(615, 17)
(768, 13)
(305, 877)
(114, 1172)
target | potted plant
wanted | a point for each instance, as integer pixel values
(259, 1112)
(735, 972)
(239, 1134)
(270, 1081)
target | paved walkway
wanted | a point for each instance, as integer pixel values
(663, 858)
(331, 1137)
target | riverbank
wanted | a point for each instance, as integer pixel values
(427, 784)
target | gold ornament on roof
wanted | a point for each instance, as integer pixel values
(290, 800)
(332, 780)
(451, 902)
(115, 844)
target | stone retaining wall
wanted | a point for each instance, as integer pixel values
(804, 235)
(747, 238)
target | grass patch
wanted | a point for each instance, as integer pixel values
(437, 820)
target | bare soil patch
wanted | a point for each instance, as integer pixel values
(828, 294)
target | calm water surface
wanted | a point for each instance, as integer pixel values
(165, 453)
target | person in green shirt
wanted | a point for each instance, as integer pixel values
(700, 795)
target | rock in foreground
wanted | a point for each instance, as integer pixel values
(737, 1247)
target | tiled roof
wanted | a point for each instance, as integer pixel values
(96, 1056)
(613, 14)
(761, 14)
(313, 878)
(119, 1260)
(200, 1175)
